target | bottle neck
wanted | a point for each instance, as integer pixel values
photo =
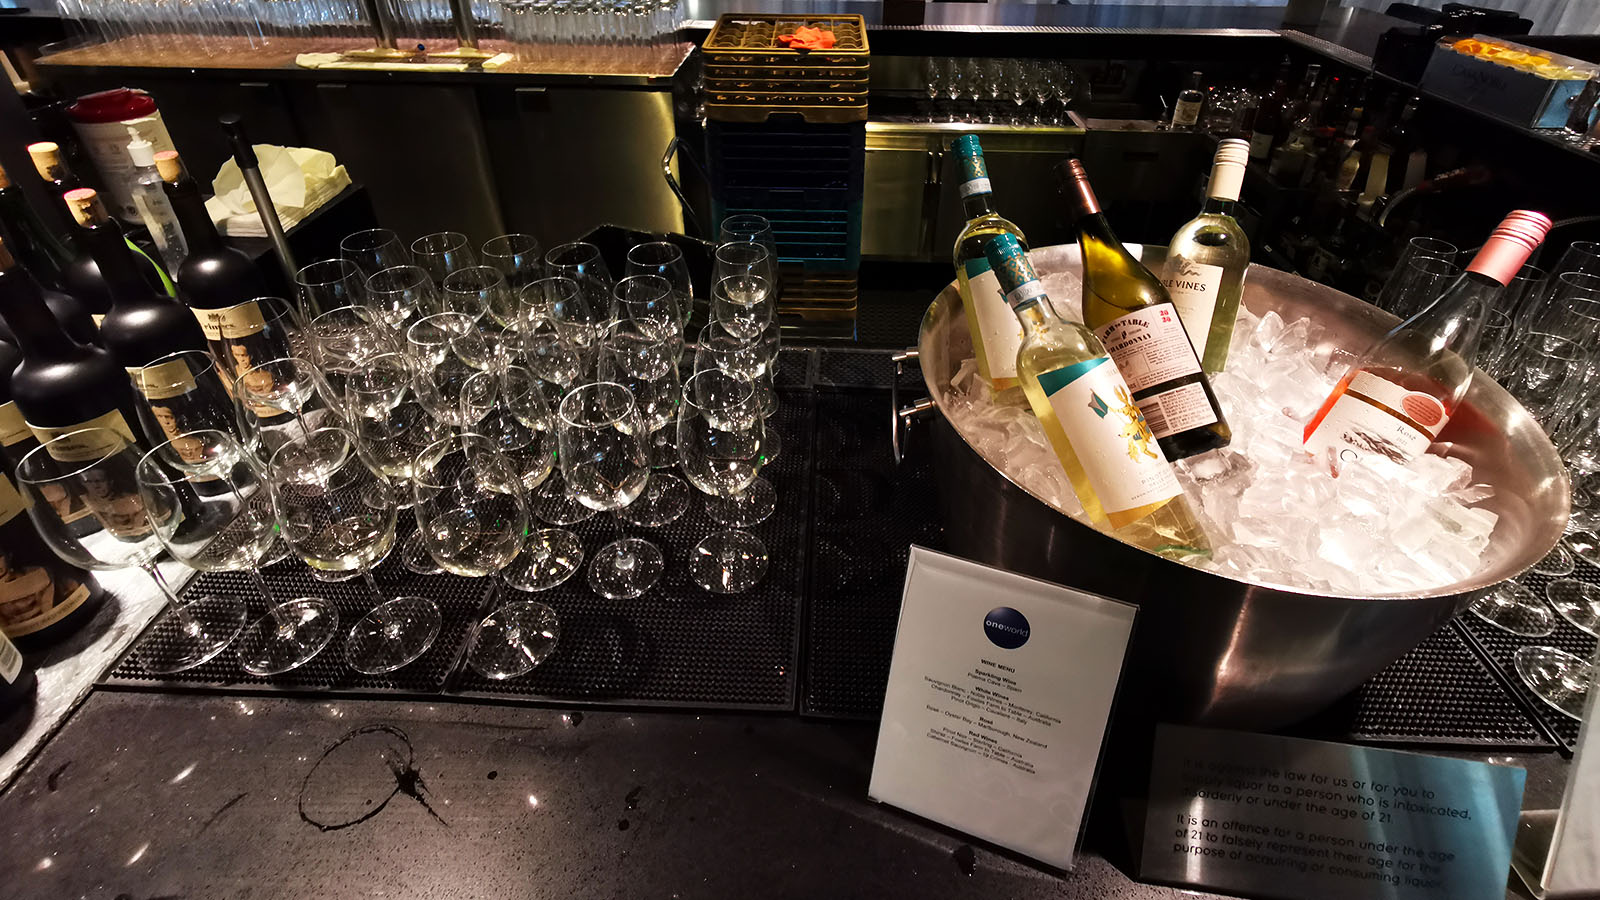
(1094, 228)
(38, 246)
(978, 204)
(1218, 206)
(39, 335)
(117, 266)
(190, 208)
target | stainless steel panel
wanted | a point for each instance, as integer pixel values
(569, 159)
(898, 205)
(1211, 649)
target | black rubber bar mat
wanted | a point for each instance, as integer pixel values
(1499, 647)
(677, 645)
(868, 514)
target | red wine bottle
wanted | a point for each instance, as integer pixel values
(1402, 392)
(42, 598)
(15, 437)
(60, 385)
(46, 257)
(142, 324)
(16, 679)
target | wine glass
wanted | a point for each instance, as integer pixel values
(933, 73)
(748, 228)
(179, 393)
(374, 250)
(743, 305)
(256, 331)
(1555, 676)
(606, 466)
(517, 256)
(441, 253)
(480, 291)
(330, 284)
(447, 390)
(338, 515)
(582, 262)
(398, 293)
(719, 440)
(634, 357)
(744, 259)
(472, 515)
(279, 400)
(343, 339)
(549, 555)
(650, 302)
(745, 359)
(100, 466)
(549, 349)
(666, 260)
(955, 74)
(208, 501)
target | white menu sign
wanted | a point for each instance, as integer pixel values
(998, 697)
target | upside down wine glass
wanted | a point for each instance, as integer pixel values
(99, 465)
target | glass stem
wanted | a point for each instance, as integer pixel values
(372, 585)
(185, 621)
(278, 615)
(624, 556)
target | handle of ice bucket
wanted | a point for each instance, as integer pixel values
(900, 417)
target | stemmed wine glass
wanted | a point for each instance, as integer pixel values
(100, 465)
(666, 261)
(433, 339)
(441, 253)
(744, 359)
(472, 514)
(343, 339)
(744, 260)
(374, 250)
(398, 293)
(748, 228)
(549, 555)
(719, 440)
(553, 353)
(606, 466)
(581, 262)
(518, 257)
(182, 392)
(211, 508)
(635, 357)
(480, 291)
(260, 329)
(338, 515)
(279, 400)
(955, 73)
(331, 284)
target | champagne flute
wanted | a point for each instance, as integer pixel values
(606, 467)
(338, 515)
(550, 555)
(719, 432)
(472, 514)
(100, 466)
(208, 501)
(374, 250)
(634, 357)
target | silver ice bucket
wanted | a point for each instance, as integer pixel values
(1213, 650)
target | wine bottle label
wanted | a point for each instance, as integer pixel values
(232, 322)
(1114, 443)
(1178, 410)
(165, 381)
(1150, 346)
(998, 327)
(86, 447)
(1193, 288)
(1373, 415)
(13, 428)
(1185, 112)
(10, 660)
(31, 598)
(974, 175)
(1260, 145)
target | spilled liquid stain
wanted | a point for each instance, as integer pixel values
(573, 719)
(53, 780)
(493, 774)
(356, 777)
(632, 797)
(965, 858)
(622, 824)
(222, 809)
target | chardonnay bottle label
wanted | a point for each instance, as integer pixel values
(1114, 443)
(998, 327)
(86, 447)
(1194, 289)
(1150, 346)
(13, 428)
(1373, 415)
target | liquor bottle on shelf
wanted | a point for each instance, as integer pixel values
(1100, 436)
(42, 598)
(61, 385)
(1131, 313)
(1186, 109)
(1409, 162)
(155, 210)
(142, 324)
(1269, 116)
(1304, 92)
(995, 332)
(87, 285)
(1294, 157)
(218, 282)
(1402, 392)
(1206, 261)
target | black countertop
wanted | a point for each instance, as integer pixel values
(163, 795)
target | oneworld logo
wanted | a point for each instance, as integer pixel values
(1006, 628)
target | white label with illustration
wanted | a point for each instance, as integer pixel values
(1373, 415)
(997, 324)
(1109, 434)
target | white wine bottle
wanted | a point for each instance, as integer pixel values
(995, 333)
(1101, 438)
(1132, 315)
(1206, 261)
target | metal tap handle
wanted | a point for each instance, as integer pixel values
(900, 418)
(691, 223)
